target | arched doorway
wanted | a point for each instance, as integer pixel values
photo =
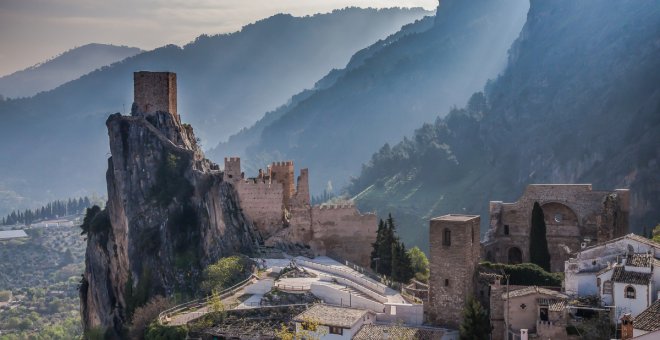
(515, 255)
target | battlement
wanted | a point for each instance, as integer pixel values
(334, 206)
(281, 164)
(232, 169)
(154, 92)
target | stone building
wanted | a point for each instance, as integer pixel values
(154, 92)
(280, 208)
(575, 215)
(453, 260)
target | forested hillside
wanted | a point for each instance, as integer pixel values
(578, 103)
(401, 85)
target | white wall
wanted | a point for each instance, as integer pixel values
(335, 296)
(632, 306)
(406, 313)
(348, 333)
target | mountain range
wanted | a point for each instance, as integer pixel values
(579, 102)
(63, 68)
(55, 144)
(384, 93)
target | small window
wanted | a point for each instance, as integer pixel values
(336, 330)
(446, 282)
(598, 282)
(630, 292)
(607, 287)
(558, 218)
(506, 229)
(393, 310)
(446, 240)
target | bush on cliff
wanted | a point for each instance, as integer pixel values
(95, 221)
(170, 179)
(526, 274)
(226, 272)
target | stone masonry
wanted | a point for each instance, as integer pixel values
(154, 92)
(280, 208)
(454, 256)
(575, 215)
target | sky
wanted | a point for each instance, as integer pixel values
(32, 31)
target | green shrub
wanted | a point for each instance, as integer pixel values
(170, 179)
(159, 332)
(225, 273)
(526, 274)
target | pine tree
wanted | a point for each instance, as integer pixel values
(475, 325)
(402, 270)
(538, 243)
(385, 247)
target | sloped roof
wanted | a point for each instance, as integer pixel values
(379, 332)
(630, 236)
(639, 260)
(649, 319)
(533, 290)
(332, 316)
(622, 275)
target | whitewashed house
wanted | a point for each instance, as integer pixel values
(624, 273)
(333, 322)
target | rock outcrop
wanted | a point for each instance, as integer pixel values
(169, 213)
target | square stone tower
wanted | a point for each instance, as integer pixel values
(153, 92)
(454, 256)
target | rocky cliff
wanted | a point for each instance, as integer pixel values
(578, 103)
(168, 215)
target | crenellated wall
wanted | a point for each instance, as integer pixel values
(281, 210)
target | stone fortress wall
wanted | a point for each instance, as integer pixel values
(575, 215)
(281, 209)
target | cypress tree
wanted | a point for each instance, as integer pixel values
(538, 243)
(375, 253)
(475, 325)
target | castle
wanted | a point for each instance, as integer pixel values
(280, 208)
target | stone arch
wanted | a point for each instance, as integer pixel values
(515, 255)
(559, 214)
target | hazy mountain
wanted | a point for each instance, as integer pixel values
(65, 67)
(53, 144)
(578, 103)
(402, 83)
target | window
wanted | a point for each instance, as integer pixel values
(630, 292)
(336, 330)
(558, 217)
(446, 282)
(446, 240)
(506, 229)
(607, 287)
(598, 282)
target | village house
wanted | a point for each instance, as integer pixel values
(332, 322)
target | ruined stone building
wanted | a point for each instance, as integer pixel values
(575, 216)
(454, 257)
(280, 208)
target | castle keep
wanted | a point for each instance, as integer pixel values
(280, 208)
(575, 216)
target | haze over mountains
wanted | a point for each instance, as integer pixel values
(55, 144)
(385, 93)
(578, 103)
(65, 67)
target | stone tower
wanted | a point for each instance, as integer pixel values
(154, 92)
(232, 171)
(454, 256)
(282, 172)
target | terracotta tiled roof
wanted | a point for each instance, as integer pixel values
(649, 319)
(533, 290)
(379, 332)
(555, 305)
(332, 315)
(627, 276)
(639, 260)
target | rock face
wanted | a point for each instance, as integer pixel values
(169, 212)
